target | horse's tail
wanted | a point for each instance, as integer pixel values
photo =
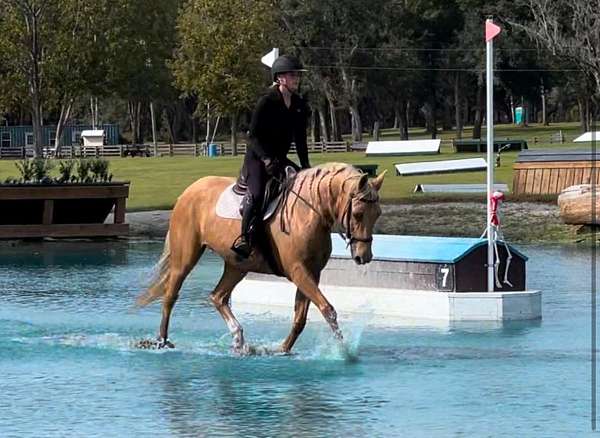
(156, 288)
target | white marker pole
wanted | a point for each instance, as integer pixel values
(491, 30)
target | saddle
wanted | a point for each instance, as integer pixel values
(229, 205)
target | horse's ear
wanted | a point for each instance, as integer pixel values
(378, 181)
(362, 182)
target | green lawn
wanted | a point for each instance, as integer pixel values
(156, 182)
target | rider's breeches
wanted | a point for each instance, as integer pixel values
(257, 180)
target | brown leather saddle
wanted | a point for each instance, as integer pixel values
(274, 189)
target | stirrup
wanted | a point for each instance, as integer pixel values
(242, 247)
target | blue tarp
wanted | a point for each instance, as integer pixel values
(417, 248)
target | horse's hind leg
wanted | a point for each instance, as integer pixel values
(300, 311)
(184, 257)
(220, 298)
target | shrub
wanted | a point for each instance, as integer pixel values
(83, 170)
(65, 168)
(99, 169)
(34, 169)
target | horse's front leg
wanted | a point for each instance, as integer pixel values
(300, 311)
(308, 284)
(220, 298)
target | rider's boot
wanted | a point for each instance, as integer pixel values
(242, 246)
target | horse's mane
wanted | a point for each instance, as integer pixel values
(316, 183)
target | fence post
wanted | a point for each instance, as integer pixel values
(170, 149)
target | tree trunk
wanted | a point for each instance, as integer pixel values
(430, 119)
(194, 129)
(153, 123)
(356, 123)
(334, 128)
(402, 118)
(323, 124)
(457, 100)
(314, 128)
(135, 116)
(234, 129)
(447, 124)
(350, 90)
(544, 121)
(479, 109)
(588, 114)
(396, 118)
(65, 113)
(170, 118)
(131, 111)
(376, 130)
(94, 111)
(512, 110)
(35, 77)
(36, 121)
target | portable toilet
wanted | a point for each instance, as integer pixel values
(93, 137)
(519, 115)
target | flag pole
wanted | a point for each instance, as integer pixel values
(491, 30)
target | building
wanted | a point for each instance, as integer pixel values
(19, 136)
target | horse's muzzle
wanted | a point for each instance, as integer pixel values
(362, 257)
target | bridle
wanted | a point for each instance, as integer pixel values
(347, 235)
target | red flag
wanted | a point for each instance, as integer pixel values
(491, 30)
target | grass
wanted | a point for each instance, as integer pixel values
(156, 182)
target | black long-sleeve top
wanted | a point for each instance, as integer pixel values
(274, 127)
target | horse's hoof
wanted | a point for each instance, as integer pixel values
(164, 343)
(244, 350)
(146, 344)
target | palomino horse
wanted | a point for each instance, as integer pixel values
(320, 198)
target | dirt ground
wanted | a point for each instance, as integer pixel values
(524, 222)
(520, 222)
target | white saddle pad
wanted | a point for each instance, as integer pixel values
(228, 205)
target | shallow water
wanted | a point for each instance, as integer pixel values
(69, 366)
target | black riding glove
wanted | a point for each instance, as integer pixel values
(272, 166)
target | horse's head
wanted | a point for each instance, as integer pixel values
(361, 213)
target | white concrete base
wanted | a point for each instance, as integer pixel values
(258, 296)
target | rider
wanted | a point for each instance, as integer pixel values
(279, 118)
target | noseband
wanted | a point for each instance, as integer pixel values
(347, 233)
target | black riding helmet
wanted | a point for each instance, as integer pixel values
(284, 64)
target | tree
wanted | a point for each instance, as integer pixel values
(27, 33)
(568, 29)
(333, 37)
(219, 47)
(79, 59)
(140, 41)
(49, 55)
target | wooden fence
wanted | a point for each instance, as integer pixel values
(161, 150)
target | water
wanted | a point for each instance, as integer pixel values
(69, 367)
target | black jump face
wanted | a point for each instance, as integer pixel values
(369, 169)
(481, 146)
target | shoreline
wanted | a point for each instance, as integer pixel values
(521, 222)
